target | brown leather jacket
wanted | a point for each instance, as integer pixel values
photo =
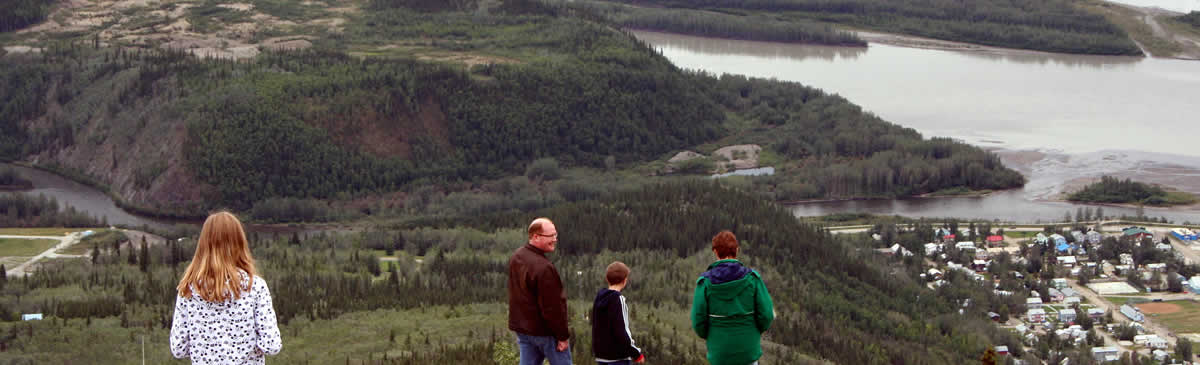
(537, 303)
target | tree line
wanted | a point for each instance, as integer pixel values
(1113, 190)
(1055, 26)
(1192, 18)
(715, 24)
(10, 179)
(17, 14)
(24, 210)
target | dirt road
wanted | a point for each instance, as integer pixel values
(63, 242)
(1092, 297)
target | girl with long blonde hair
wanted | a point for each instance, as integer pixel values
(223, 313)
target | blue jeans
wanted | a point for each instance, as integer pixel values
(535, 349)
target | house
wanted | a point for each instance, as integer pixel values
(1104, 352)
(1021, 329)
(1136, 233)
(934, 274)
(1055, 295)
(1094, 237)
(1068, 301)
(1095, 313)
(1058, 283)
(932, 249)
(1067, 261)
(31, 317)
(995, 240)
(1069, 292)
(1066, 316)
(1160, 355)
(1126, 259)
(1163, 247)
(982, 255)
(1033, 303)
(1001, 350)
(965, 245)
(994, 316)
(899, 250)
(1157, 343)
(979, 265)
(1132, 313)
(1036, 315)
(1041, 239)
(1157, 267)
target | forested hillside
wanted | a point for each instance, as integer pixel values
(440, 297)
(1055, 26)
(357, 116)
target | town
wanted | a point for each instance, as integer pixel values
(1075, 293)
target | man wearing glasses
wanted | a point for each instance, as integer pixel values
(537, 303)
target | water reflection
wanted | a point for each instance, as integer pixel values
(83, 198)
(770, 50)
(1039, 58)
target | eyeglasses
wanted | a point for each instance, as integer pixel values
(555, 235)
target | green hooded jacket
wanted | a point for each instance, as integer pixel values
(730, 311)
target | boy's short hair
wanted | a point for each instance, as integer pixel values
(725, 245)
(616, 273)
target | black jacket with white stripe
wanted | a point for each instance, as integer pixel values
(611, 339)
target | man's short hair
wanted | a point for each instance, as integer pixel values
(616, 273)
(536, 226)
(725, 244)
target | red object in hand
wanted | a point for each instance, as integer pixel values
(641, 359)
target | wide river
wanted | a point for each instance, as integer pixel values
(1059, 119)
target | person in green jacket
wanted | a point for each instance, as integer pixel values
(731, 308)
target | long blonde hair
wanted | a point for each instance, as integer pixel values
(221, 253)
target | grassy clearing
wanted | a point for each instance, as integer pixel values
(40, 231)
(1020, 234)
(23, 247)
(1187, 320)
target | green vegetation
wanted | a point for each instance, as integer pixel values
(1112, 190)
(103, 238)
(720, 25)
(289, 130)
(1192, 18)
(24, 247)
(1055, 26)
(17, 14)
(1186, 320)
(958, 191)
(23, 210)
(836, 302)
(9, 179)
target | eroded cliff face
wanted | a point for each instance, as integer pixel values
(137, 154)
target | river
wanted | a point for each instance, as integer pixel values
(1062, 120)
(84, 198)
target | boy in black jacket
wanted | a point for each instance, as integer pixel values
(612, 342)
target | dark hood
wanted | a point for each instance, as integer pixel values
(725, 271)
(607, 296)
